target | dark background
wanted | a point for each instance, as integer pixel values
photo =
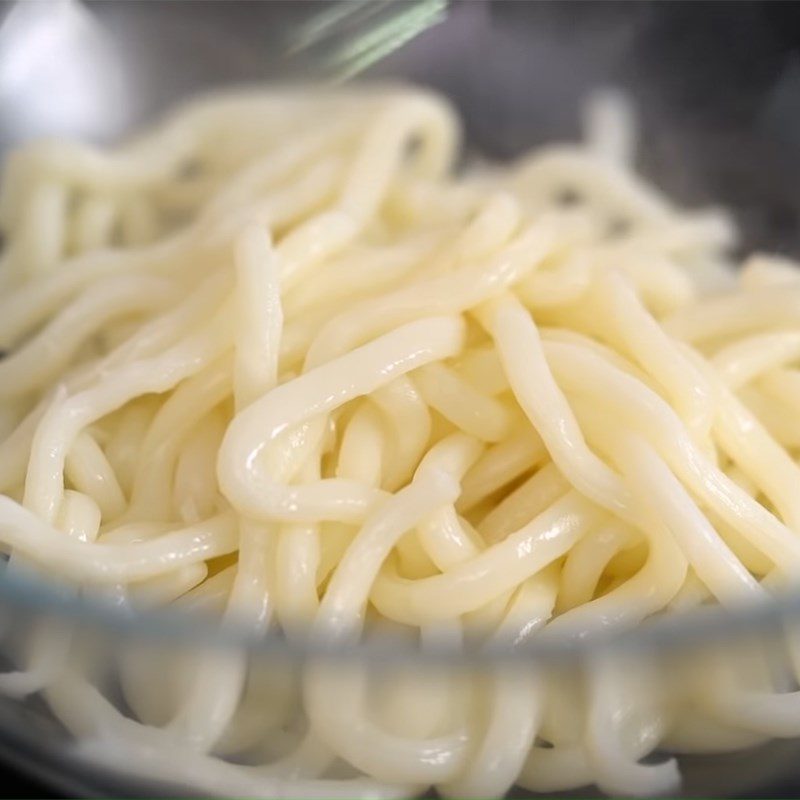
(742, 60)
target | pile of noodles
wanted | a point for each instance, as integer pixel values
(277, 363)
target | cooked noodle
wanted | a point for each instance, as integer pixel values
(277, 364)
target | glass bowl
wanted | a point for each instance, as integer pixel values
(716, 87)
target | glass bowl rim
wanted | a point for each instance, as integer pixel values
(662, 632)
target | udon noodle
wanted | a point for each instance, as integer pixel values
(278, 363)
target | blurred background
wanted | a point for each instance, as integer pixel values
(717, 85)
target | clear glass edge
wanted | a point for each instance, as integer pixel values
(672, 631)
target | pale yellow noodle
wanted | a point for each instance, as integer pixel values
(276, 365)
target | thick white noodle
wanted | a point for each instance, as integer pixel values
(277, 365)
